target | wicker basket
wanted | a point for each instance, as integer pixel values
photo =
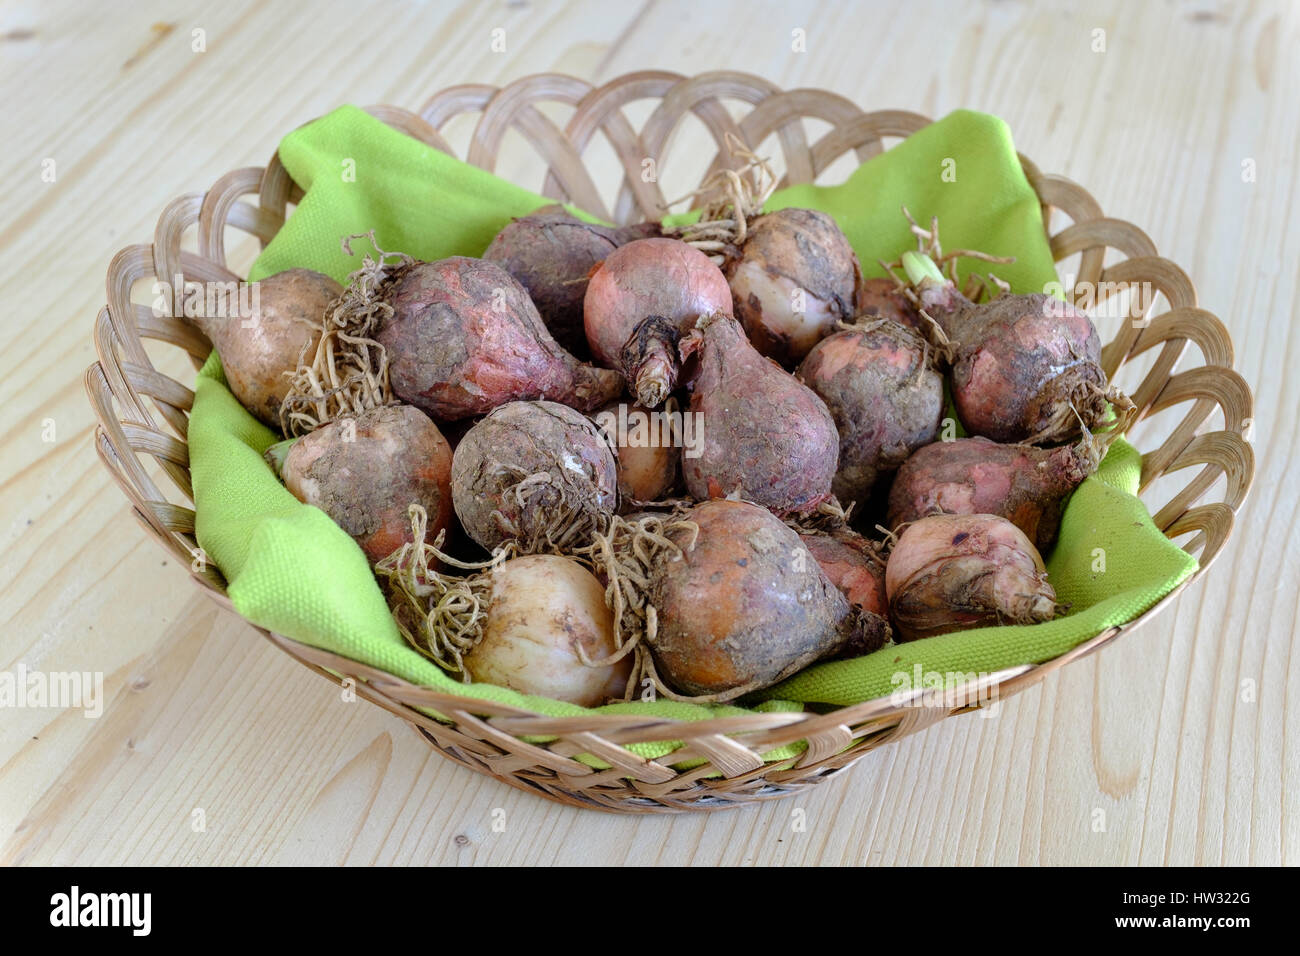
(142, 414)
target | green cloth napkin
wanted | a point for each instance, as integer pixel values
(290, 569)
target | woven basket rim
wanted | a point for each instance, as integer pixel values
(123, 383)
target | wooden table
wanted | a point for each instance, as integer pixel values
(214, 748)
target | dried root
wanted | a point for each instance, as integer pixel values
(551, 513)
(623, 555)
(827, 518)
(978, 289)
(731, 199)
(440, 615)
(348, 372)
(1087, 402)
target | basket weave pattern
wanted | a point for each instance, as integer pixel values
(143, 414)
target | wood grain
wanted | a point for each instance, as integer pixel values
(1179, 734)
